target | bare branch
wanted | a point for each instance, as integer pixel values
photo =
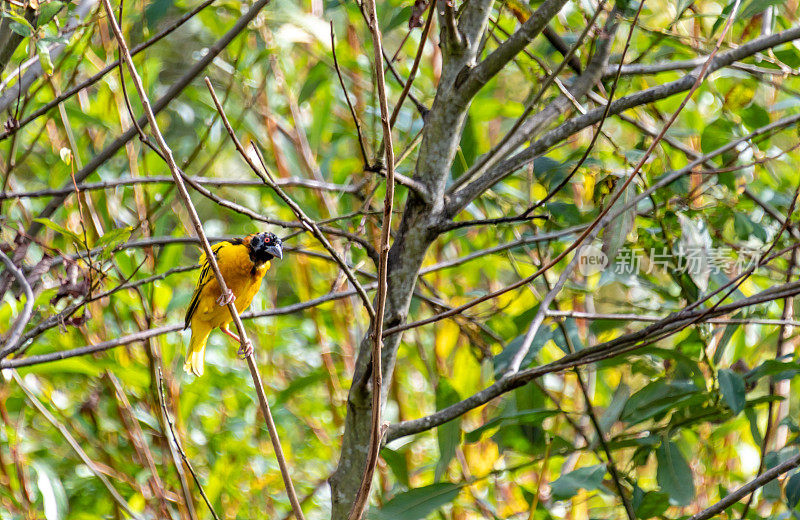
(163, 179)
(470, 80)
(349, 104)
(673, 323)
(578, 123)
(407, 87)
(376, 428)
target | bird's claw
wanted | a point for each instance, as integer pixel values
(246, 349)
(225, 298)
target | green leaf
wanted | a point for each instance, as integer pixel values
(789, 56)
(730, 329)
(655, 398)
(49, 10)
(792, 491)
(755, 116)
(418, 503)
(777, 369)
(772, 489)
(572, 333)
(649, 504)
(23, 30)
(448, 435)
(523, 417)
(674, 475)
(757, 7)
(19, 25)
(616, 233)
(732, 387)
(112, 238)
(60, 229)
(589, 478)
(397, 463)
(750, 413)
(316, 76)
(614, 410)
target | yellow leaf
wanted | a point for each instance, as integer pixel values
(447, 333)
(466, 376)
(481, 457)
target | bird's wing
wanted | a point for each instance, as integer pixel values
(206, 275)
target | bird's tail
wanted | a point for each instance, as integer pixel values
(195, 357)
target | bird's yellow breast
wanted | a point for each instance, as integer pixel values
(241, 275)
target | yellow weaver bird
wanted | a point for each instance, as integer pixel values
(243, 263)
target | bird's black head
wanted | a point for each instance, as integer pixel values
(264, 247)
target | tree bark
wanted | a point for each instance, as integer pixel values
(441, 138)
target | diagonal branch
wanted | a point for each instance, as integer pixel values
(470, 80)
(494, 175)
(758, 482)
(672, 324)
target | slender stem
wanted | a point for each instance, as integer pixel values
(376, 428)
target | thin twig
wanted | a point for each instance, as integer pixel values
(163, 179)
(376, 428)
(163, 402)
(648, 318)
(415, 65)
(347, 98)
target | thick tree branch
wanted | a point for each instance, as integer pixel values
(470, 80)
(673, 323)
(468, 193)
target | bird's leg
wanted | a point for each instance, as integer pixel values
(245, 350)
(246, 347)
(225, 298)
(224, 329)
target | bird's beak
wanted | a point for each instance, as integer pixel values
(275, 250)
